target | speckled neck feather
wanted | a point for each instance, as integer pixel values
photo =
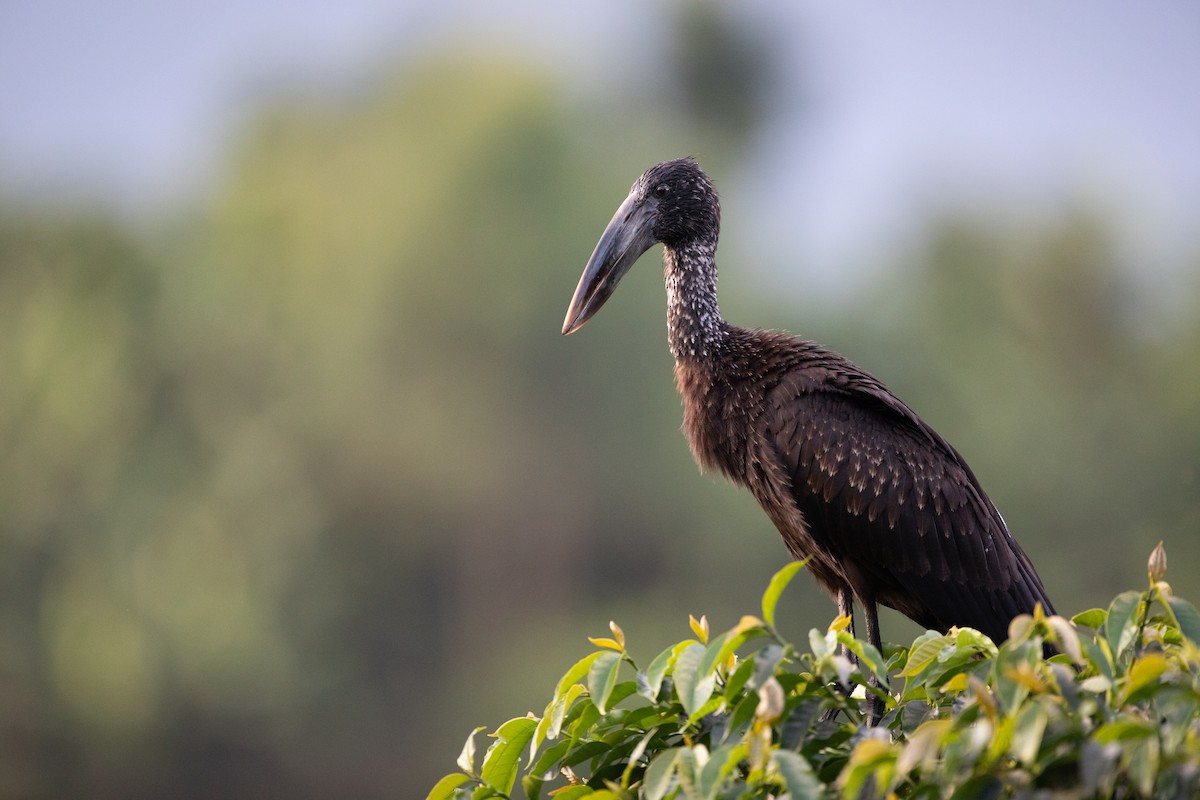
(694, 325)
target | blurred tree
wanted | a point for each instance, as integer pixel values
(353, 424)
(68, 289)
(272, 474)
(267, 477)
(722, 70)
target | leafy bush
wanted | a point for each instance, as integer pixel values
(746, 714)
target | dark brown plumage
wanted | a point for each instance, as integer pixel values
(888, 511)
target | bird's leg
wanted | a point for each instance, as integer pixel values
(871, 620)
(845, 604)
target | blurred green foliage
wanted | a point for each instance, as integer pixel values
(291, 473)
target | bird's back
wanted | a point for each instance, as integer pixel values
(852, 477)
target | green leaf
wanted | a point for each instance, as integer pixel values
(717, 650)
(602, 677)
(1020, 628)
(446, 786)
(742, 715)
(924, 652)
(720, 764)
(711, 707)
(1092, 618)
(723, 646)
(588, 715)
(775, 588)
(1097, 769)
(635, 755)
(1187, 616)
(1001, 737)
(1177, 718)
(1014, 674)
(644, 717)
(802, 784)
(466, 759)
(548, 761)
(952, 661)
(1095, 684)
(981, 787)
(766, 661)
(1121, 626)
(574, 792)
(693, 688)
(1145, 671)
(532, 787)
(500, 764)
(871, 759)
(921, 749)
(1123, 730)
(1143, 765)
(685, 768)
(657, 778)
(576, 672)
(737, 679)
(822, 645)
(868, 656)
(551, 723)
(622, 690)
(653, 676)
(1099, 656)
(1027, 735)
(1067, 637)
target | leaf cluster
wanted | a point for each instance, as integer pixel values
(1106, 704)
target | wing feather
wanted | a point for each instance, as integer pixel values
(879, 487)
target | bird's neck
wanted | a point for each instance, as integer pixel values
(694, 325)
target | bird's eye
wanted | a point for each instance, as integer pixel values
(662, 190)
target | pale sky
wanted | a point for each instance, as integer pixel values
(924, 102)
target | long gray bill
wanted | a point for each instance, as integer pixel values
(629, 234)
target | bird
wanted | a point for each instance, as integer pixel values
(884, 508)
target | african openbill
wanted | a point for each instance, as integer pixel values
(887, 510)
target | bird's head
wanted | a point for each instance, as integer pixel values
(672, 203)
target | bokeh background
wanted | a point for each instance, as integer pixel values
(299, 482)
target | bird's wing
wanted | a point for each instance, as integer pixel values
(876, 485)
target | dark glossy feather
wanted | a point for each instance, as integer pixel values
(854, 478)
